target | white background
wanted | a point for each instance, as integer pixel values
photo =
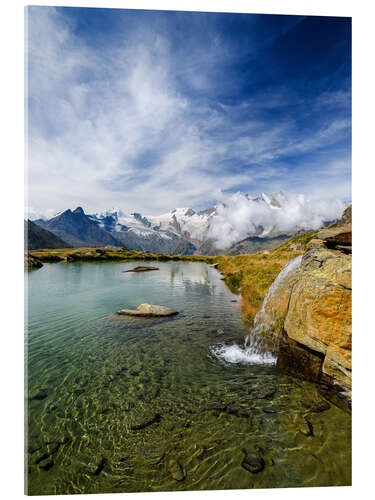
(11, 233)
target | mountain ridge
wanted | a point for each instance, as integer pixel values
(241, 224)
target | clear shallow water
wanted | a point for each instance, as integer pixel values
(92, 374)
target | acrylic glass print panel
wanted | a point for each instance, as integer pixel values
(188, 251)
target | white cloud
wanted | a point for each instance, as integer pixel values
(240, 217)
(111, 127)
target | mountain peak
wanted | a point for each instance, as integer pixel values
(79, 210)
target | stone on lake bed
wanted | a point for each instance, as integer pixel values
(144, 419)
(303, 425)
(148, 310)
(141, 269)
(38, 395)
(253, 461)
(176, 470)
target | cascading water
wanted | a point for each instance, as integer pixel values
(258, 349)
(263, 319)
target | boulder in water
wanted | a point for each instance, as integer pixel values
(141, 269)
(253, 460)
(144, 419)
(176, 470)
(148, 310)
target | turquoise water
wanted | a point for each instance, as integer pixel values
(114, 403)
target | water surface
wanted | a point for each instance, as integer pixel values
(92, 374)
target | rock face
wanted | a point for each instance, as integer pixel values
(36, 237)
(309, 309)
(78, 230)
(318, 319)
(347, 216)
(340, 235)
(32, 262)
(148, 310)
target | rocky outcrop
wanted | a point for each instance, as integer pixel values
(347, 216)
(337, 236)
(316, 337)
(309, 308)
(31, 262)
(148, 310)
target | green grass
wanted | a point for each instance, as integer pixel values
(89, 254)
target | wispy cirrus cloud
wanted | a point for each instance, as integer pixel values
(150, 112)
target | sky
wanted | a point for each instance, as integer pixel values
(150, 110)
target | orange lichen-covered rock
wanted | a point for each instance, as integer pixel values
(319, 313)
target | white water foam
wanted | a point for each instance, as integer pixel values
(255, 350)
(242, 355)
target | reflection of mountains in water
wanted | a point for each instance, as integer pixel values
(187, 276)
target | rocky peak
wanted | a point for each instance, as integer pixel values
(347, 216)
(79, 210)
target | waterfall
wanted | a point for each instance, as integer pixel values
(258, 349)
(263, 319)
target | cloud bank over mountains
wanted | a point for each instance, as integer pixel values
(155, 110)
(240, 217)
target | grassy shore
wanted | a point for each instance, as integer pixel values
(252, 274)
(248, 274)
(99, 254)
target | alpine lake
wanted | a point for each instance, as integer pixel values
(128, 404)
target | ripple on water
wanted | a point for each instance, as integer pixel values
(215, 398)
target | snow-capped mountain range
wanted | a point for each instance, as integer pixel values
(185, 231)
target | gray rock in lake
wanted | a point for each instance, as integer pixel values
(141, 269)
(148, 310)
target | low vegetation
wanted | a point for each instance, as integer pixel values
(253, 274)
(90, 254)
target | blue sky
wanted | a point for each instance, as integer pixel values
(151, 110)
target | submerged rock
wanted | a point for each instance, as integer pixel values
(32, 262)
(148, 310)
(144, 419)
(38, 395)
(176, 470)
(303, 425)
(46, 464)
(316, 404)
(141, 269)
(253, 460)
